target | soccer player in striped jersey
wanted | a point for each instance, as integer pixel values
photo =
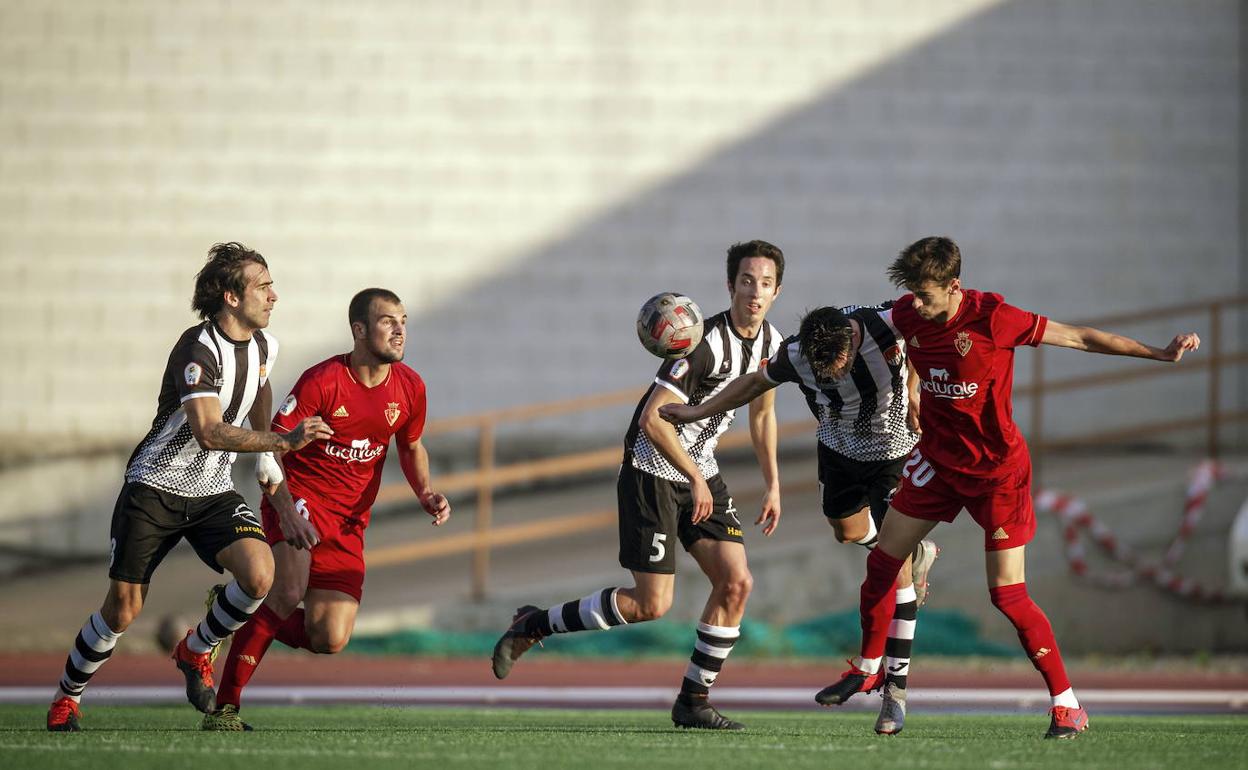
(971, 455)
(669, 488)
(368, 396)
(178, 479)
(851, 365)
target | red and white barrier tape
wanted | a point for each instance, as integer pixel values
(1074, 516)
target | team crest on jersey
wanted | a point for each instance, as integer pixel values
(894, 356)
(264, 371)
(914, 341)
(678, 369)
(963, 343)
(392, 413)
(288, 405)
(193, 374)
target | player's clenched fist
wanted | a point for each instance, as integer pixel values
(1180, 345)
(308, 430)
(437, 506)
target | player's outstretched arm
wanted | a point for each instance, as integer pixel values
(414, 460)
(663, 436)
(739, 392)
(212, 432)
(1097, 341)
(763, 435)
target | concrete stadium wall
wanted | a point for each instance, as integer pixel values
(524, 175)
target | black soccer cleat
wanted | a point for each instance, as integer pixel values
(197, 670)
(852, 682)
(699, 714)
(514, 642)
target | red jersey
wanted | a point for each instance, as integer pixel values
(966, 368)
(342, 473)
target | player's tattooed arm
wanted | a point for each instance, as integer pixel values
(1108, 343)
(414, 459)
(212, 432)
(737, 393)
(663, 436)
(763, 434)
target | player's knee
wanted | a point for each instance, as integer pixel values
(257, 583)
(283, 600)
(328, 641)
(652, 608)
(736, 589)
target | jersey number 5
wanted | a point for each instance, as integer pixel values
(660, 550)
(921, 474)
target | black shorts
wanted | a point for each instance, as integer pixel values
(846, 486)
(148, 523)
(653, 509)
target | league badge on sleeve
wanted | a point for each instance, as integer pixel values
(288, 405)
(678, 369)
(193, 374)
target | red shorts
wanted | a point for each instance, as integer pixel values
(1001, 506)
(338, 559)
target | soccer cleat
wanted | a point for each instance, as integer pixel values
(63, 716)
(514, 642)
(225, 719)
(852, 682)
(893, 711)
(921, 562)
(699, 714)
(1066, 722)
(198, 672)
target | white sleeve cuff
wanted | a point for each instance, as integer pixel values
(683, 398)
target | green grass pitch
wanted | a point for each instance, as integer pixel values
(339, 737)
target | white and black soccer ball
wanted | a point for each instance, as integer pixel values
(670, 325)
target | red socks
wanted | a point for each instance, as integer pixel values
(1034, 632)
(878, 601)
(294, 632)
(246, 649)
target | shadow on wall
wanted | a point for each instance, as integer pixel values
(1075, 156)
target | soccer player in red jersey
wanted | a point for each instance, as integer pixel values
(367, 396)
(971, 455)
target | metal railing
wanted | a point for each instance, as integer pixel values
(489, 476)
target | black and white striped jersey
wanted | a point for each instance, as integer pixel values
(203, 364)
(863, 414)
(721, 357)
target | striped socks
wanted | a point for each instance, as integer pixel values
(709, 653)
(901, 637)
(596, 612)
(92, 647)
(232, 608)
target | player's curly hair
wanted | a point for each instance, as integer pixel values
(933, 259)
(740, 251)
(823, 339)
(221, 273)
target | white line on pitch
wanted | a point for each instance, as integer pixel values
(630, 696)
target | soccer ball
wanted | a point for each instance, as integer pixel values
(670, 325)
